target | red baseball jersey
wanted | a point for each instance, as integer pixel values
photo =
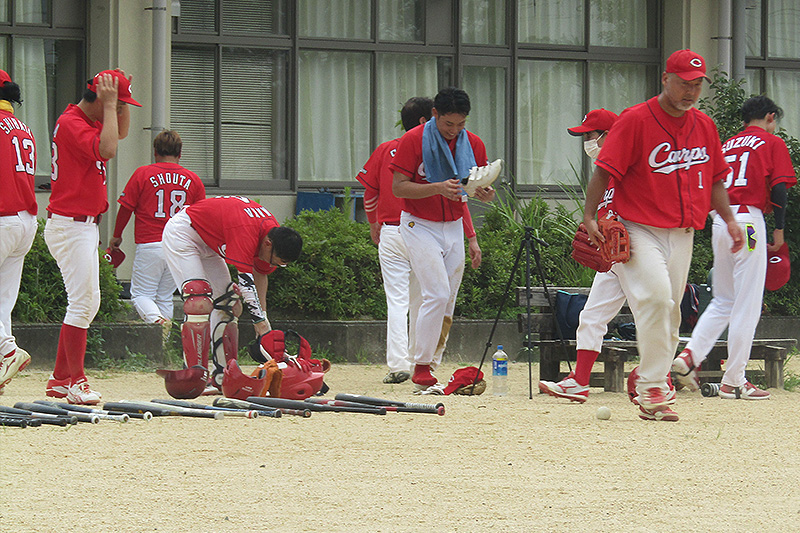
(759, 161)
(18, 157)
(78, 174)
(376, 177)
(155, 193)
(663, 166)
(233, 226)
(408, 161)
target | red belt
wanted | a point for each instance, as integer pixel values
(80, 218)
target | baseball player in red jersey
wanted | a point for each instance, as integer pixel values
(399, 282)
(605, 297)
(85, 137)
(428, 165)
(668, 172)
(155, 193)
(17, 220)
(761, 172)
(199, 242)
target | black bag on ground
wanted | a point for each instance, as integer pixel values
(568, 312)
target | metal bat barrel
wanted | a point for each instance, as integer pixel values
(297, 404)
(180, 411)
(382, 401)
(423, 408)
(46, 418)
(244, 413)
(262, 410)
(103, 415)
(39, 408)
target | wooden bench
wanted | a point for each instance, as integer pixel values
(615, 353)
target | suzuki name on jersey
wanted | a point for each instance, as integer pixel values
(746, 141)
(170, 178)
(665, 160)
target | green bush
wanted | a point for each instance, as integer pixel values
(337, 275)
(42, 297)
(724, 106)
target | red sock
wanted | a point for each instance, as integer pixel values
(61, 370)
(583, 366)
(75, 351)
(423, 376)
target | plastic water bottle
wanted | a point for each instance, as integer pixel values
(500, 372)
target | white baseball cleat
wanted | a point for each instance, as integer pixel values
(482, 176)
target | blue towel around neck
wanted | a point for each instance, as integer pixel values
(438, 159)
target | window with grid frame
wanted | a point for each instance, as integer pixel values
(42, 47)
(772, 64)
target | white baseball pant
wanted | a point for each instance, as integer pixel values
(74, 247)
(402, 298)
(654, 280)
(738, 290)
(16, 237)
(436, 250)
(152, 285)
(604, 302)
(188, 257)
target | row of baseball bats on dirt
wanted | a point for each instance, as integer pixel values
(41, 412)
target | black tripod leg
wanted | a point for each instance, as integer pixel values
(500, 309)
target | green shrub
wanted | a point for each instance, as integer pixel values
(42, 297)
(337, 275)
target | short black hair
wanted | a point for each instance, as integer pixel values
(286, 243)
(414, 109)
(10, 91)
(88, 94)
(758, 107)
(452, 100)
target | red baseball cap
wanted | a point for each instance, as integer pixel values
(123, 89)
(687, 65)
(461, 377)
(595, 120)
(779, 269)
(4, 77)
(115, 257)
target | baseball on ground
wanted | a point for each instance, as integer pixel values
(603, 413)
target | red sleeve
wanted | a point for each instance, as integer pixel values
(123, 216)
(198, 189)
(783, 171)
(409, 153)
(369, 177)
(466, 221)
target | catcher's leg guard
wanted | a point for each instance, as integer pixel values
(196, 337)
(225, 337)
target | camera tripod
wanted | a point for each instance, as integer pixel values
(527, 245)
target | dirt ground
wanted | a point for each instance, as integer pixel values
(502, 463)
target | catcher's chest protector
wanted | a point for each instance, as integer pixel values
(274, 343)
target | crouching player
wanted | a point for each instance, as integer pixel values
(198, 242)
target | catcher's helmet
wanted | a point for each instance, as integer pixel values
(185, 384)
(298, 383)
(236, 384)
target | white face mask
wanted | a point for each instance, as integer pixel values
(591, 148)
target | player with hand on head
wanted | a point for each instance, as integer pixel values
(85, 137)
(428, 167)
(155, 193)
(761, 172)
(383, 212)
(199, 243)
(17, 219)
(668, 170)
